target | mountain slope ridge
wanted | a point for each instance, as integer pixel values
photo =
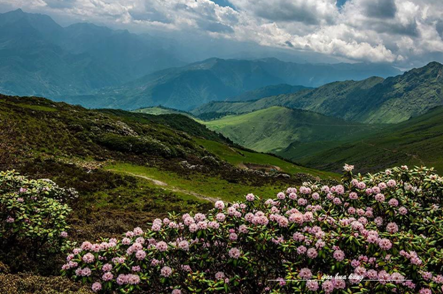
(374, 100)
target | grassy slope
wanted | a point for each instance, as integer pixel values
(201, 186)
(275, 128)
(418, 141)
(239, 157)
(268, 91)
(158, 110)
(76, 148)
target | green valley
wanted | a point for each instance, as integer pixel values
(275, 128)
(418, 141)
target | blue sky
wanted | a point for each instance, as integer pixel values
(403, 32)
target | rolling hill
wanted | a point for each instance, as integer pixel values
(217, 79)
(275, 128)
(132, 167)
(417, 141)
(374, 100)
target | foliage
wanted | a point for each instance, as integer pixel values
(33, 217)
(381, 231)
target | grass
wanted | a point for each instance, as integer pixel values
(213, 187)
(418, 141)
(37, 107)
(274, 129)
(238, 157)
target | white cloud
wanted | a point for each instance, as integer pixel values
(371, 30)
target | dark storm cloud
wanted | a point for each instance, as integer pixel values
(380, 8)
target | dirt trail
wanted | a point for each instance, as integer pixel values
(166, 186)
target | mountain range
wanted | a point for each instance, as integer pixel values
(39, 57)
(373, 100)
(215, 79)
(99, 67)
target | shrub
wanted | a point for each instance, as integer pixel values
(371, 234)
(33, 217)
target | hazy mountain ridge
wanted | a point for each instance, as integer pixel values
(374, 100)
(214, 79)
(39, 57)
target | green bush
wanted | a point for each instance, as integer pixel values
(33, 218)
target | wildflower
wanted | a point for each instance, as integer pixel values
(138, 231)
(348, 168)
(96, 287)
(162, 246)
(234, 253)
(327, 286)
(392, 228)
(86, 246)
(339, 255)
(312, 285)
(305, 273)
(184, 245)
(166, 271)
(402, 210)
(312, 253)
(385, 244)
(219, 276)
(88, 258)
(219, 205)
(140, 255)
(250, 197)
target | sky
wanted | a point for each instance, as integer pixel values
(401, 32)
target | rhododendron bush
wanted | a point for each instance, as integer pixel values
(33, 216)
(371, 234)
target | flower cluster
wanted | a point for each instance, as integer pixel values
(371, 234)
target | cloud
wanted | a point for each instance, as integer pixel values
(398, 31)
(305, 11)
(379, 8)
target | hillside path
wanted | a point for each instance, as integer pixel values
(166, 186)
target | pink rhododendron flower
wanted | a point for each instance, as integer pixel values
(250, 197)
(339, 255)
(219, 205)
(385, 244)
(166, 271)
(312, 285)
(234, 253)
(305, 273)
(219, 276)
(96, 287)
